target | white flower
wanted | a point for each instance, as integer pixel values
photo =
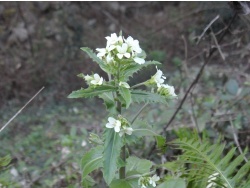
(143, 182)
(139, 60)
(166, 89)
(109, 58)
(102, 52)
(153, 179)
(125, 130)
(97, 80)
(113, 39)
(84, 143)
(124, 84)
(88, 78)
(113, 123)
(159, 78)
(134, 44)
(122, 51)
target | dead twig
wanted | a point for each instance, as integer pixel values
(206, 28)
(20, 110)
(236, 140)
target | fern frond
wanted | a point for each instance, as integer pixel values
(208, 159)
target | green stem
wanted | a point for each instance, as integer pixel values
(137, 85)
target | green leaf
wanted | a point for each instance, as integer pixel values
(94, 138)
(161, 143)
(4, 161)
(173, 183)
(109, 102)
(139, 165)
(144, 96)
(232, 86)
(112, 148)
(92, 91)
(128, 70)
(91, 160)
(96, 59)
(88, 182)
(144, 132)
(120, 183)
(126, 95)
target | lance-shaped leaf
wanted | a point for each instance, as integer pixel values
(144, 96)
(112, 148)
(128, 70)
(121, 183)
(93, 56)
(109, 102)
(92, 91)
(126, 95)
(92, 160)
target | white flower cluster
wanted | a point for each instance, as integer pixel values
(162, 89)
(146, 181)
(94, 79)
(119, 47)
(119, 126)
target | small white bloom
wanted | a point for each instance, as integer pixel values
(97, 80)
(122, 51)
(124, 84)
(84, 143)
(102, 52)
(88, 78)
(113, 39)
(125, 130)
(139, 60)
(143, 181)
(113, 123)
(134, 44)
(159, 78)
(170, 89)
(154, 179)
(109, 58)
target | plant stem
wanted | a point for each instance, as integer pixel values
(123, 169)
(137, 85)
(138, 113)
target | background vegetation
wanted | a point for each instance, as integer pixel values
(40, 46)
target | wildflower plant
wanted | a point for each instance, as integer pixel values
(120, 59)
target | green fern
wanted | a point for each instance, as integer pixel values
(205, 160)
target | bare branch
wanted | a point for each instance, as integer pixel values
(20, 110)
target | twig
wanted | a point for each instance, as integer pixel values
(236, 141)
(20, 110)
(206, 61)
(206, 28)
(218, 46)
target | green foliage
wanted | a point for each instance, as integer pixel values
(206, 159)
(92, 160)
(112, 148)
(126, 95)
(93, 56)
(92, 91)
(128, 70)
(4, 161)
(137, 165)
(140, 96)
(173, 183)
